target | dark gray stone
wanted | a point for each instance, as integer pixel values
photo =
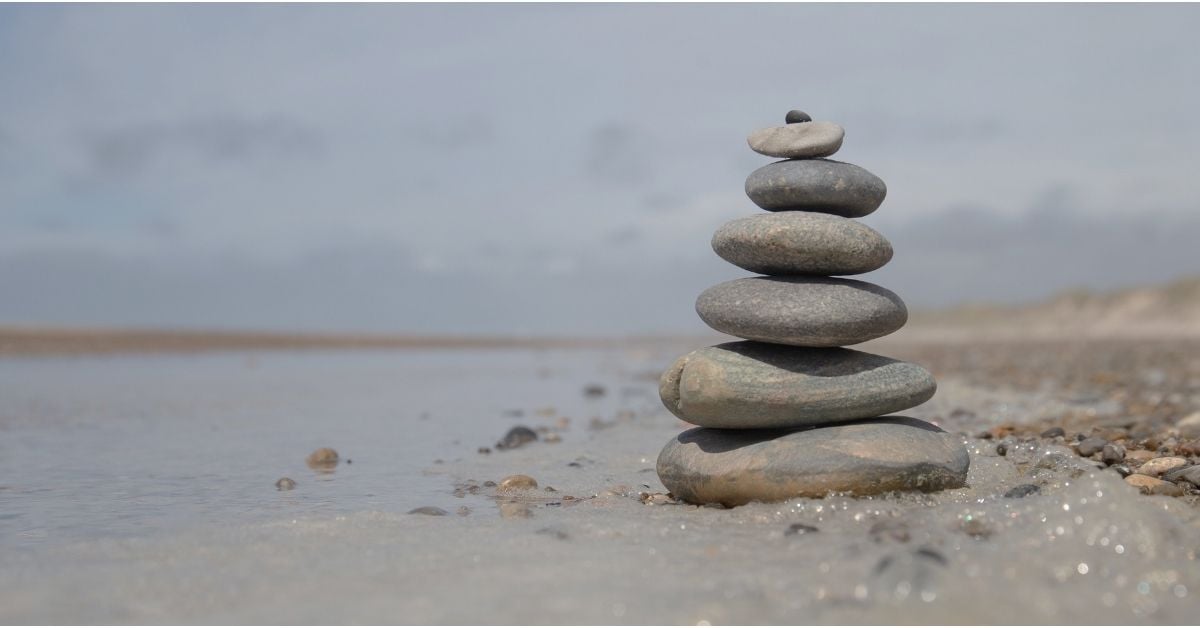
(432, 511)
(1090, 446)
(1187, 474)
(802, 311)
(798, 141)
(752, 385)
(819, 185)
(795, 116)
(734, 467)
(517, 437)
(801, 243)
(1112, 453)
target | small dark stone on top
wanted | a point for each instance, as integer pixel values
(795, 116)
(1002, 449)
(432, 511)
(1023, 490)
(1054, 431)
(800, 528)
(1089, 446)
(516, 437)
(594, 390)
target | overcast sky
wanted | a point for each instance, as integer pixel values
(560, 169)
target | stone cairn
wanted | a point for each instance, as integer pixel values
(788, 412)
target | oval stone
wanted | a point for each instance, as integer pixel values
(798, 141)
(819, 185)
(753, 385)
(802, 311)
(801, 243)
(735, 467)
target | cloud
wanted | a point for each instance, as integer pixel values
(213, 139)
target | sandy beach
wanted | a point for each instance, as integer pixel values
(140, 488)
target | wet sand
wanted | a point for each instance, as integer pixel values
(141, 489)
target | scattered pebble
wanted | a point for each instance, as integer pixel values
(1159, 466)
(285, 484)
(1090, 446)
(463, 511)
(1054, 431)
(517, 483)
(489, 483)
(800, 529)
(552, 437)
(1023, 490)
(594, 391)
(1150, 485)
(657, 499)
(323, 459)
(1190, 475)
(432, 511)
(1138, 456)
(1122, 469)
(485, 450)
(517, 437)
(1112, 454)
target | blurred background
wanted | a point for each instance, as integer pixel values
(559, 170)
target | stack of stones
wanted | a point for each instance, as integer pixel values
(788, 412)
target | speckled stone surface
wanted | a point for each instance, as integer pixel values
(802, 311)
(800, 243)
(734, 467)
(804, 140)
(820, 185)
(743, 385)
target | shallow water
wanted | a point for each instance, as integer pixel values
(141, 489)
(129, 446)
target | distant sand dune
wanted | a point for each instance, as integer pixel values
(1170, 310)
(1166, 311)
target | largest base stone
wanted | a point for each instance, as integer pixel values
(735, 467)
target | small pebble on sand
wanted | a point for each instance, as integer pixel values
(432, 511)
(285, 484)
(1090, 446)
(1159, 466)
(517, 483)
(517, 437)
(1112, 454)
(323, 459)
(594, 391)
(797, 529)
(1022, 490)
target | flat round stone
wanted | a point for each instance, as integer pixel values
(819, 185)
(804, 140)
(802, 311)
(754, 385)
(801, 243)
(735, 467)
